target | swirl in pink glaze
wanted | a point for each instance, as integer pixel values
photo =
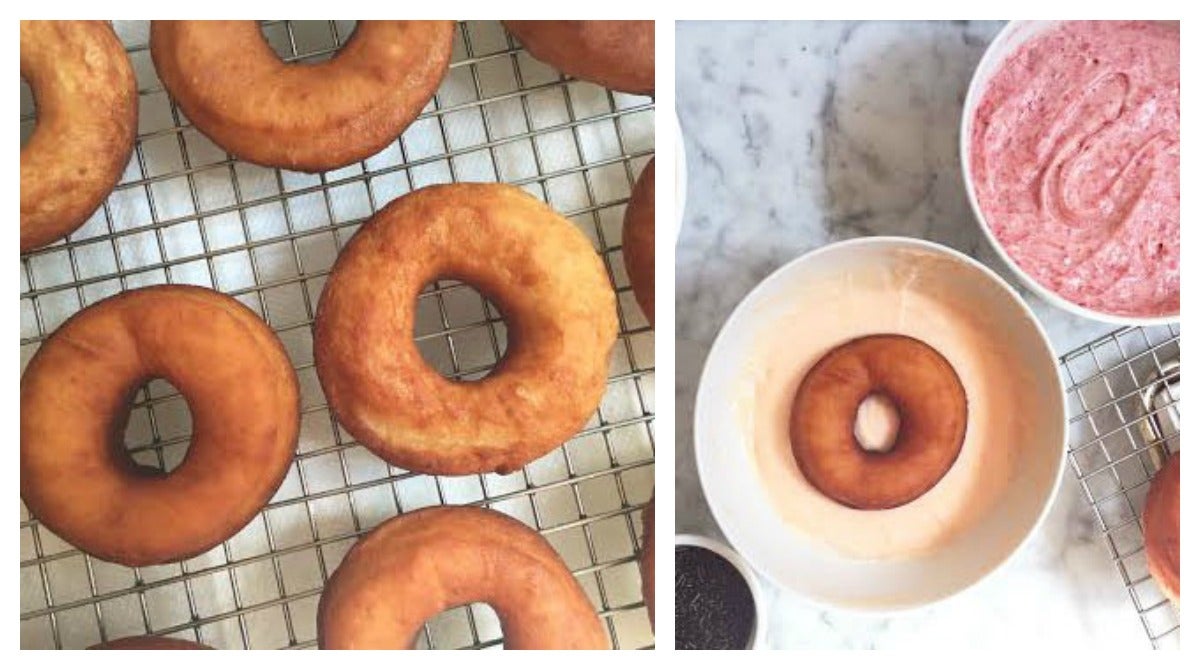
(1075, 163)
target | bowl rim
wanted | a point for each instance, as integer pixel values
(1050, 357)
(758, 638)
(970, 100)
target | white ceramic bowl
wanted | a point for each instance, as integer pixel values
(1012, 36)
(798, 563)
(758, 637)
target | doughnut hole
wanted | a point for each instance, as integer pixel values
(158, 429)
(467, 626)
(306, 41)
(459, 332)
(28, 113)
(876, 423)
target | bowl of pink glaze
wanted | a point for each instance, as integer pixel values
(1069, 147)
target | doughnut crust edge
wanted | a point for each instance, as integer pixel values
(87, 111)
(76, 397)
(309, 117)
(614, 54)
(549, 284)
(421, 563)
(929, 398)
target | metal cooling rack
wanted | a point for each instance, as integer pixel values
(1124, 422)
(185, 212)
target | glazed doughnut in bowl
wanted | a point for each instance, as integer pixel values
(86, 97)
(534, 265)
(637, 241)
(149, 642)
(309, 116)
(614, 54)
(930, 403)
(418, 564)
(76, 393)
(1160, 518)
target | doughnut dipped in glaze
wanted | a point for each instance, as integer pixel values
(86, 97)
(614, 54)
(421, 563)
(76, 395)
(932, 409)
(1160, 518)
(540, 271)
(637, 241)
(303, 116)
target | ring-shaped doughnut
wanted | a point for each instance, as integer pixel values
(932, 408)
(76, 394)
(301, 116)
(535, 266)
(416, 565)
(614, 54)
(637, 241)
(646, 562)
(1160, 518)
(86, 98)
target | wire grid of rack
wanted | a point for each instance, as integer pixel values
(185, 212)
(1115, 452)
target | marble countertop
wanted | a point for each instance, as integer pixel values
(800, 134)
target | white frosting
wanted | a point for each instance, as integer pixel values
(920, 303)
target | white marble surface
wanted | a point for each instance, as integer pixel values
(799, 134)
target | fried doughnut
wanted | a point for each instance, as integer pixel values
(86, 99)
(149, 642)
(307, 116)
(637, 241)
(1160, 518)
(76, 394)
(615, 54)
(646, 564)
(534, 265)
(418, 564)
(932, 409)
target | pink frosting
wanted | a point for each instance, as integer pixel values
(1075, 163)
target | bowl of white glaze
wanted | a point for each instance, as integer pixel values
(996, 494)
(1007, 41)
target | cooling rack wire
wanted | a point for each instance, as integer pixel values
(1124, 422)
(186, 213)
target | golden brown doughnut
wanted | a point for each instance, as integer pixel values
(615, 54)
(86, 99)
(76, 477)
(302, 116)
(1160, 518)
(928, 397)
(646, 564)
(637, 241)
(534, 265)
(149, 642)
(418, 564)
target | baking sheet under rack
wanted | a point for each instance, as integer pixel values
(185, 212)
(1116, 446)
